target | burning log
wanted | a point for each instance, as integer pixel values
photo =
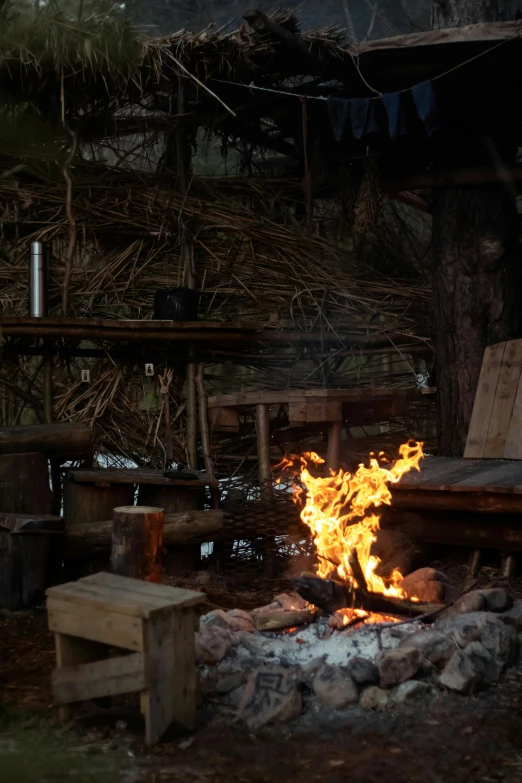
(357, 571)
(330, 596)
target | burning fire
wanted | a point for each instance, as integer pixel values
(336, 509)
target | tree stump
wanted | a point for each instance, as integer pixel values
(24, 484)
(137, 542)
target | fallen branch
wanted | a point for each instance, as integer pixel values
(273, 621)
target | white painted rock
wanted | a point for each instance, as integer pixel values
(434, 646)
(270, 696)
(363, 671)
(469, 668)
(212, 644)
(334, 688)
(374, 698)
(216, 618)
(411, 690)
(240, 620)
(396, 666)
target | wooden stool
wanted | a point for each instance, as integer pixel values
(155, 622)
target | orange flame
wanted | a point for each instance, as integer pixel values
(336, 511)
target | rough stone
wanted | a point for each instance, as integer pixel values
(374, 698)
(363, 671)
(229, 682)
(240, 620)
(212, 644)
(470, 602)
(397, 551)
(513, 616)
(396, 666)
(469, 668)
(497, 599)
(270, 696)
(425, 575)
(410, 691)
(497, 637)
(217, 618)
(334, 688)
(434, 646)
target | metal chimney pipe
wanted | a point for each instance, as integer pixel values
(38, 280)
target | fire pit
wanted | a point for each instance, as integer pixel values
(347, 636)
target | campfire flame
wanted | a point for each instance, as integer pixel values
(337, 510)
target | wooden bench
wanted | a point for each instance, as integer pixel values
(154, 623)
(488, 478)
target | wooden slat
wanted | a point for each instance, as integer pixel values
(84, 593)
(503, 477)
(176, 597)
(96, 624)
(505, 394)
(484, 400)
(18, 523)
(430, 468)
(186, 674)
(125, 674)
(513, 447)
(285, 396)
(109, 476)
(71, 651)
(157, 701)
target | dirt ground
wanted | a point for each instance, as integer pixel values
(450, 740)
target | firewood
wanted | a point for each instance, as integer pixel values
(272, 621)
(357, 571)
(330, 596)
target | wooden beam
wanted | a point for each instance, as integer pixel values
(57, 440)
(125, 674)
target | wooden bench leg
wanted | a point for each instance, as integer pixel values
(172, 674)
(72, 651)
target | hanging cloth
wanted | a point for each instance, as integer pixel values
(426, 105)
(394, 106)
(339, 111)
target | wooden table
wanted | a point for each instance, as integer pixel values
(329, 406)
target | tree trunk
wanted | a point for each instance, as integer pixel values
(137, 542)
(476, 257)
(457, 13)
(476, 284)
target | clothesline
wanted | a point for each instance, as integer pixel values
(253, 86)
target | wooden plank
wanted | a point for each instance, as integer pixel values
(72, 651)
(503, 477)
(501, 413)
(484, 400)
(125, 674)
(224, 419)
(286, 396)
(17, 523)
(186, 675)
(441, 473)
(430, 468)
(171, 596)
(116, 599)
(108, 476)
(96, 624)
(513, 447)
(480, 502)
(157, 701)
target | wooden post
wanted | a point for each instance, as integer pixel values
(263, 449)
(137, 542)
(507, 568)
(333, 453)
(474, 562)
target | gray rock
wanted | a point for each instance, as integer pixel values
(396, 666)
(434, 646)
(430, 585)
(425, 575)
(374, 698)
(497, 599)
(270, 696)
(470, 602)
(309, 671)
(254, 642)
(469, 668)
(212, 644)
(363, 671)
(513, 616)
(497, 637)
(334, 688)
(411, 690)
